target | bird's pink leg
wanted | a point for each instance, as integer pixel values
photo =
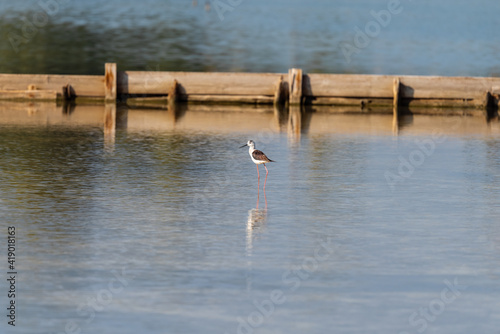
(265, 197)
(258, 186)
(265, 180)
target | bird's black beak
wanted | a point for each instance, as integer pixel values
(244, 145)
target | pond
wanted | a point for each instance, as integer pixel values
(161, 228)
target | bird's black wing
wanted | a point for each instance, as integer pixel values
(259, 155)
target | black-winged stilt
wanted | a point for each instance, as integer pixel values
(258, 157)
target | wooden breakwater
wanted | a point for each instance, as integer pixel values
(293, 88)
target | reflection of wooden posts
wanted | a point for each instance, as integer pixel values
(121, 117)
(256, 223)
(109, 122)
(280, 120)
(294, 122)
(110, 82)
(295, 86)
(395, 105)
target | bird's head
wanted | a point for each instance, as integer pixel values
(249, 143)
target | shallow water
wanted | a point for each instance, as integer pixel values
(158, 229)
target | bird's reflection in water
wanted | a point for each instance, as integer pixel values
(256, 224)
(258, 196)
(256, 220)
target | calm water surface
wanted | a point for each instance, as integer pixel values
(424, 37)
(159, 231)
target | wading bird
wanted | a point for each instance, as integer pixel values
(258, 157)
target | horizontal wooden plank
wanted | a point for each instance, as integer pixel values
(257, 99)
(348, 101)
(247, 99)
(28, 94)
(246, 108)
(442, 111)
(193, 83)
(380, 86)
(83, 85)
(388, 110)
(347, 85)
(433, 87)
(367, 102)
(442, 103)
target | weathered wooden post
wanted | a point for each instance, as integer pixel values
(295, 85)
(110, 82)
(486, 100)
(395, 105)
(68, 92)
(279, 92)
(173, 93)
(396, 89)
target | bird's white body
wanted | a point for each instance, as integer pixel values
(255, 157)
(258, 157)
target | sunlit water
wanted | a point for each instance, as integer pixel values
(158, 231)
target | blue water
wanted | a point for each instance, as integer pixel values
(160, 231)
(359, 231)
(423, 37)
